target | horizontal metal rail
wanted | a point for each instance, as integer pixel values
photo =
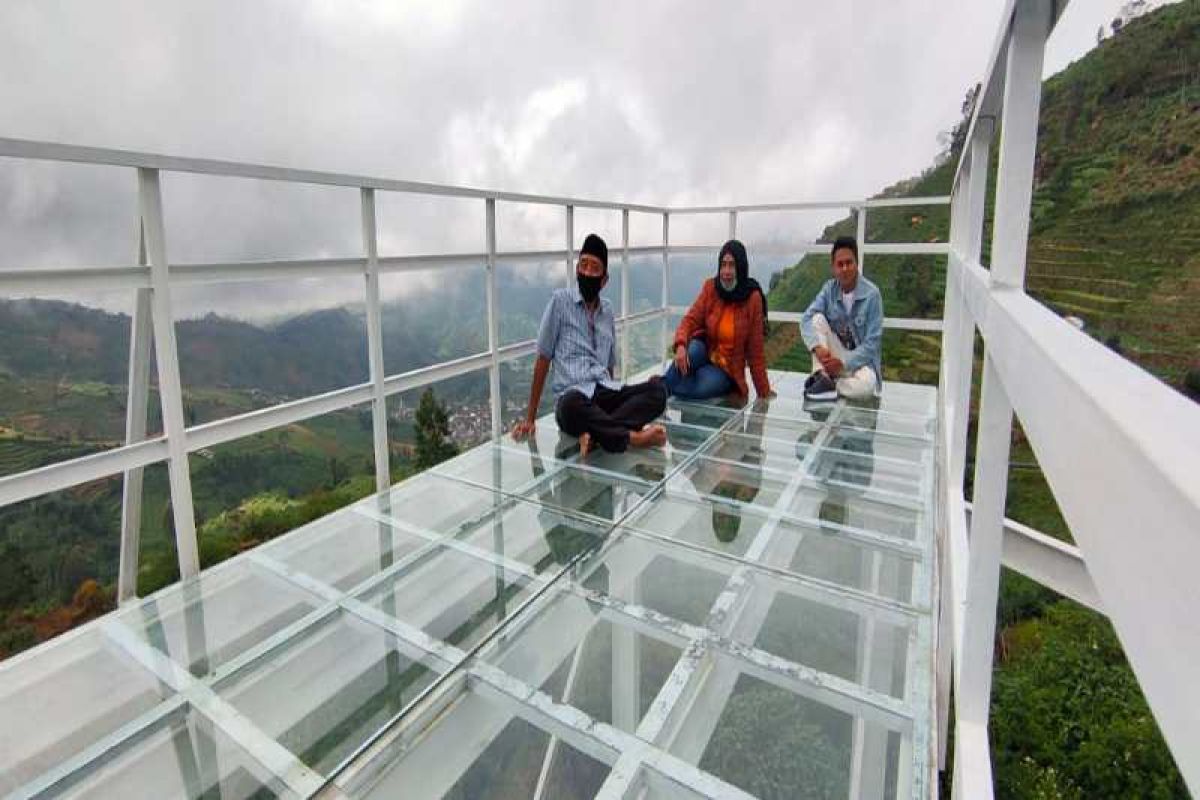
(85, 469)
(878, 202)
(53, 151)
(899, 323)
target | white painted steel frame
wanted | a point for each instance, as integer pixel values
(1145, 586)
(1072, 396)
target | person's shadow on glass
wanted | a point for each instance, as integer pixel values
(844, 466)
(732, 483)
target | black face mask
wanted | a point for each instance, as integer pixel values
(589, 286)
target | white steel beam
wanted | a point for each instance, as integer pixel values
(1151, 435)
(1052, 563)
(570, 234)
(902, 323)
(141, 335)
(625, 293)
(379, 429)
(170, 387)
(53, 151)
(493, 319)
(664, 333)
(973, 692)
(860, 234)
(65, 474)
(881, 202)
(1018, 140)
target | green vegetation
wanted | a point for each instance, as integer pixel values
(1114, 238)
(433, 432)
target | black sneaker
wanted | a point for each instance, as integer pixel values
(820, 387)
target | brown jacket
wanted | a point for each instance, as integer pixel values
(702, 319)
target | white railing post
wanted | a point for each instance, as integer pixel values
(1014, 191)
(493, 319)
(170, 387)
(860, 234)
(383, 475)
(570, 246)
(961, 348)
(733, 224)
(625, 371)
(141, 334)
(664, 336)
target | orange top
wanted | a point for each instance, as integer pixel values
(722, 354)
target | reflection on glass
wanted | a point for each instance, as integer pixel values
(327, 691)
(727, 523)
(540, 537)
(646, 573)
(598, 495)
(478, 750)
(183, 757)
(452, 596)
(218, 615)
(346, 548)
(694, 519)
(78, 691)
(607, 670)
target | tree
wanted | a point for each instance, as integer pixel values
(432, 425)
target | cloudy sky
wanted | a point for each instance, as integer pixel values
(663, 102)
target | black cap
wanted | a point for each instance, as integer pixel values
(593, 245)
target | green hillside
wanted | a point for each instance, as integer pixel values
(1115, 236)
(1115, 241)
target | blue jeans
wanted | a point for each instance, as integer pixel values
(704, 379)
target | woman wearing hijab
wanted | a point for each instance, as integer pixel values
(721, 334)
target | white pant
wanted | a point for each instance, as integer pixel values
(855, 385)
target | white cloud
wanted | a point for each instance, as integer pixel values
(664, 102)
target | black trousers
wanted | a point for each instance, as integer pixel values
(609, 416)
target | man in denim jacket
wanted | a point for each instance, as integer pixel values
(843, 329)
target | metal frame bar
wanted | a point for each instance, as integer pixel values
(141, 337)
(379, 428)
(1153, 435)
(170, 387)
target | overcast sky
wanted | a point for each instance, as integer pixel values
(662, 102)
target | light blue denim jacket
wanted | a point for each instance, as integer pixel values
(866, 320)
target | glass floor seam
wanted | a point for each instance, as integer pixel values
(743, 613)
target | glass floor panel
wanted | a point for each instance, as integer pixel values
(828, 552)
(188, 758)
(542, 538)
(579, 656)
(433, 503)
(478, 749)
(452, 596)
(328, 690)
(345, 548)
(857, 467)
(747, 607)
(601, 495)
(87, 690)
(780, 745)
(806, 624)
(220, 615)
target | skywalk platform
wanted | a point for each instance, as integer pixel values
(743, 613)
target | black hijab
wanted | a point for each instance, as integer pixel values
(745, 284)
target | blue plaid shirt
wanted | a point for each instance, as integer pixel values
(580, 343)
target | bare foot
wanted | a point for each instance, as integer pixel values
(649, 436)
(585, 444)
